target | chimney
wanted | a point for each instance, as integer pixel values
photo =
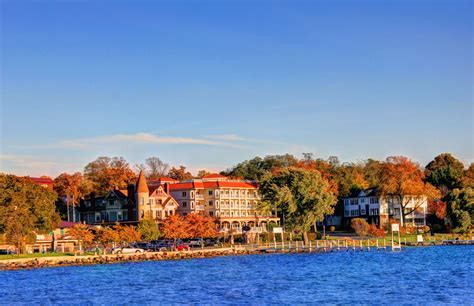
(166, 187)
(131, 201)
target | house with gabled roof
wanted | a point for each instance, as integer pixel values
(138, 201)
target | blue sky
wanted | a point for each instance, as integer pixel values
(208, 84)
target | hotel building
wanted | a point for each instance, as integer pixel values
(377, 209)
(231, 202)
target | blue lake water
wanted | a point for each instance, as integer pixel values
(443, 274)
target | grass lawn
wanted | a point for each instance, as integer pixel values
(34, 255)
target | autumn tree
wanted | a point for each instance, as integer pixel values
(175, 227)
(70, 188)
(106, 237)
(302, 197)
(25, 210)
(468, 179)
(149, 229)
(180, 174)
(445, 172)
(83, 234)
(107, 173)
(155, 168)
(403, 181)
(199, 226)
(202, 173)
(126, 234)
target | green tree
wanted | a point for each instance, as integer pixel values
(445, 172)
(149, 229)
(257, 167)
(302, 197)
(26, 209)
(460, 209)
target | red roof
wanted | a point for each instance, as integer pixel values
(214, 184)
(214, 175)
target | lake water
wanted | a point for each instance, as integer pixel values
(443, 274)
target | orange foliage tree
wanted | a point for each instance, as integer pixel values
(201, 227)
(403, 181)
(437, 208)
(126, 234)
(83, 234)
(106, 237)
(107, 173)
(175, 227)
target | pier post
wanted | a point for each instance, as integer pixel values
(310, 246)
(368, 244)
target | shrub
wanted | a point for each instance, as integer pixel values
(332, 229)
(360, 226)
(409, 229)
(374, 231)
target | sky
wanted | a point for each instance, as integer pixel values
(208, 84)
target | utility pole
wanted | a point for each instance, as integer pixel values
(73, 210)
(67, 206)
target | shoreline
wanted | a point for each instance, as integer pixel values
(86, 260)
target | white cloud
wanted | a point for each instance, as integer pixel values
(139, 138)
(227, 137)
(34, 165)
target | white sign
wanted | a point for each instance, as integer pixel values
(278, 230)
(419, 238)
(395, 227)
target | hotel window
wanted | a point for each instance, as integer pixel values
(217, 204)
(211, 214)
(192, 205)
(210, 203)
(158, 213)
(142, 201)
(183, 193)
(185, 204)
(210, 192)
(151, 201)
(216, 193)
(362, 200)
(192, 194)
(111, 202)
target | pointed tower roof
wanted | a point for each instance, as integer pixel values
(142, 187)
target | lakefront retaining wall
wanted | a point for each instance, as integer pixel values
(40, 262)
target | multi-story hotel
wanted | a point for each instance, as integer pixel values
(138, 201)
(377, 209)
(231, 202)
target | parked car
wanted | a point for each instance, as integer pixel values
(127, 250)
(143, 245)
(162, 245)
(182, 247)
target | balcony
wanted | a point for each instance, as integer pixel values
(200, 207)
(199, 197)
